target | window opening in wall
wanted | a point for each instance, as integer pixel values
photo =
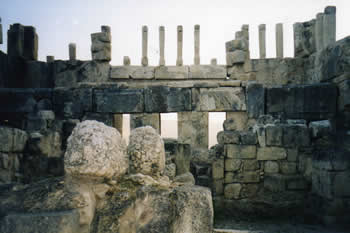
(168, 124)
(216, 120)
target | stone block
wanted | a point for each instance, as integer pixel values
(232, 165)
(236, 121)
(275, 182)
(218, 187)
(250, 165)
(207, 72)
(320, 128)
(274, 135)
(261, 133)
(218, 99)
(304, 38)
(167, 99)
(228, 137)
(232, 191)
(271, 167)
(331, 160)
(53, 222)
(218, 168)
(235, 57)
(172, 72)
(12, 139)
(271, 153)
(297, 183)
(248, 138)
(344, 95)
(242, 177)
(322, 183)
(119, 101)
(132, 72)
(143, 119)
(296, 136)
(255, 99)
(341, 184)
(321, 99)
(288, 167)
(101, 46)
(240, 151)
(238, 44)
(249, 190)
(292, 155)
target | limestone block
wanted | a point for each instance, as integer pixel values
(296, 135)
(207, 72)
(146, 151)
(167, 99)
(242, 177)
(249, 190)
(271, 153)
(232, 191)
(255, 100)
(218, 99)
(236, 121)
(288, 167)
(236, 57)
(218, 187)
(53, 222)
(250, 165)
(274, 135)
(144, 119)
(228, 137)
(172, 72)
(218, 169)
(119, 100)
(95, 149)
(261, 133)
(248, 138)
(271, 167)
(232, 165)
(320, 128)
(292, 155)
(132, 72)
(240, 151)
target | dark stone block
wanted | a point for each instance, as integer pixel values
(3, 70)
(119, 101)
(167, 99)
(30, 43)
(248, 138)
(255, 100)
(37, 75)
(15, 40)
(296, 136)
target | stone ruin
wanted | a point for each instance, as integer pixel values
(284, 150)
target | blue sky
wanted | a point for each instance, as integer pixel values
(60, 22)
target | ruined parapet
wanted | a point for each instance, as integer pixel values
(101, 45)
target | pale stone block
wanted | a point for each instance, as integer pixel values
(218, 169)
(262, 41)
(132, 72)
(232, 165)
(240, 151)
(271, 167)
(230, 83)
(232, 191)
(236, 120)
(207, 72)
(271, 153)
(172, 72)
(238, 44)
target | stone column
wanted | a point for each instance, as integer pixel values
(179, 61)
(161, 45)
(1, 38)
(279, 40)
(118, 122)
(213, 62)
(245, 32)
(144, 119)
(329, 26)
(262, 41)
(126, 61)
(15, 40)
(193, 129)
(72, 52)
(196, 44)
(319, 32)
(144, 60)
(50, 59)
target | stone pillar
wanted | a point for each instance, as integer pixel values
(262, 41)
(193, 129)
(30, 44)
(50, 59)
(15, 40)
(245, 32)
(319, 32)
(101, 46)
(144, 119)
(1, 38)
(179, 61)
(279, 40)
(118, 122)
(144, 60)
(329, 25)
(161, 45)
(196, 44)
(126, 61)
(213, 62)
(72, 51)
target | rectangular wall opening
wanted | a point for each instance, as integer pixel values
(216, 120)
(168, 125)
